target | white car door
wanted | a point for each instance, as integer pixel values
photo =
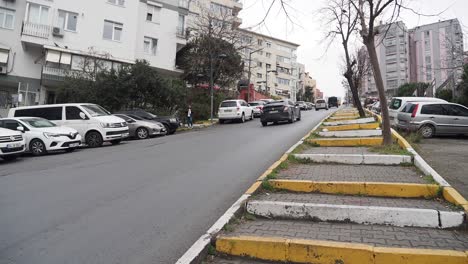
(74, 119)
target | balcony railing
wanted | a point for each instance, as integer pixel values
(184, 4)
(36, 30)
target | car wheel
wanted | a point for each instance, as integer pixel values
(242, 118)
(427, 131)
(93, 139)
(264, 123)
(299, 118)
(221, 121)
(10, 157)
(37, 147)
(168, 131)
(171, 132)
(316, 109)
(291, 119)
(142, 133)
(251, 115)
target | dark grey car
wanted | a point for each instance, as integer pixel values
(141, 129)
(434, 118)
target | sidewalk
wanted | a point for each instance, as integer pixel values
(339, 199)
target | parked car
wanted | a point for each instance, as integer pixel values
(310, 105)
(234, 110)
(321, 104)
(434, 118)
(12, 144)
(397, 104)
(267, 100)
(369, 101)
(43, 136)
(141, 129)
(376, 107)
(170, 123)
(94, 123)
(282, 110)
(302, 105)
(333, 102)
(257, 107)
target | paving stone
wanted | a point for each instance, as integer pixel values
(338, 150)
(389, 236)
(318, 198)
(232, 260)
(353, 173)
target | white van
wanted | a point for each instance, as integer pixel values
(94, 123)
(397, 104)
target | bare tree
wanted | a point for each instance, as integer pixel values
(369, 11)
(343, 18)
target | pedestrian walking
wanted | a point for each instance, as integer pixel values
(190, 117)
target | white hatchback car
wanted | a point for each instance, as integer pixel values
(235, 110)
(43, 136)
(11, 144)
(397, 104)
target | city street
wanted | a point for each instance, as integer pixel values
(139, 202)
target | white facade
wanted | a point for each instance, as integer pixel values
(273, 68)
(48, 38)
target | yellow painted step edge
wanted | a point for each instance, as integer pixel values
(325, 252)
(347, 142)
(353, 127)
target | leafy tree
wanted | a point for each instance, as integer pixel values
(445, 94)
(308, 94)
(463, 86)
(408, 89)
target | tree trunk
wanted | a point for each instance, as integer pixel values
(386, 132)
(355, 94)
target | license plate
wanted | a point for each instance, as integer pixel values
(74, 145)
(273, 112)
(14, 145)
(227, 111)
(401, 122)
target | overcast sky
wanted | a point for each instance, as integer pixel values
(308, 31)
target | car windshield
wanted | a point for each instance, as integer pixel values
(229, 104)
(136, 117)
(254, 103)
(95, 110)
(38, 122)
(320, 101)
(395, 104)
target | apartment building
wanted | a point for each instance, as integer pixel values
(318, 94)
(44, 40)
(309, 82)
(393, 52)
(437, 55)
(273, 65)
(219, 10)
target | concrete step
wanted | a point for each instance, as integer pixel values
(346, 142)
(337, 150)
(348, 122)
(356, 209)
(351, 133)
(233, 260)
(352, 127)
(378, 159)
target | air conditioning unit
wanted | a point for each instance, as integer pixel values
(3, 69)
(57, 32)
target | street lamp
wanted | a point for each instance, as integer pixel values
(249, 75)
(220, 56)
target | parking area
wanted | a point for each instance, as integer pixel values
(447, 155)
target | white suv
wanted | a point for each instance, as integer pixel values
(43, 136)
(11, 144)
(235, 110)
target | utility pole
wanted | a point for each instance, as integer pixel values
(211, 87)
(250, 73)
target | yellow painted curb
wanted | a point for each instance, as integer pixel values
(400, 140)
(347, 142)
(254, 187)
(353, 127)
(341, 118)
(326, 252)
(451, 195)
(283, 158)
(264, 175)
(380, 189)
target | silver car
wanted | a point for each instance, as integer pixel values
(434, 118)
(140, 128)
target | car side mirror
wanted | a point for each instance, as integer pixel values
(297, 104)
(130, 121)
(20, 128)
(83, 116)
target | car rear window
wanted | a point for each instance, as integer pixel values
(395, 104)
(320, 101)
(408, 108)
(254, 104)
(229, 104)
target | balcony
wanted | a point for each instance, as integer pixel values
(35, 33)
(184, 4)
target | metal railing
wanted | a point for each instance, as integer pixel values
(36, 30)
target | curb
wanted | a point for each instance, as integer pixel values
(347, 142)
(375, 159)
(199, 249)
(354, 127)
(378, 189)
(349, 122)
(325, 252)
(352, 133)
(392, 216)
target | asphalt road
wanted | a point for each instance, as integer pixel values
(138, 202)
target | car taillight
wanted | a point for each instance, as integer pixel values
(259, 107)
(413, 114)
(285, 108)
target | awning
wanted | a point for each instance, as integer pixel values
(84, 53)
(65, 58)
(4, 56)
(53, 56)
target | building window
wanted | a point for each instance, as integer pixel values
(259, 42)
(260, 52)
(268, 44)
(112, 30)
(150, 45)
(268, 55)
(246, 39)
(116, 2)
(259, 64)
(181, 25)
(38, 14)
(259, 75)
(153, 13)
(220, 9)
(283, 59)
(67, 20)
(282, 81)
(268, 66)
(7, 18)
